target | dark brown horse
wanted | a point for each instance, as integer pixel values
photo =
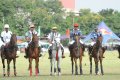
(118, 48)
(33, 53)
(76, 52)
(96, 51)
(9, 52)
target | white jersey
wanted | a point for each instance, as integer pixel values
(54, 36)
(29, 34)
(6, 36)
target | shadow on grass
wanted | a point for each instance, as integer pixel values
(62, 75)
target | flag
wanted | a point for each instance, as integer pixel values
(39, 31)
(68, 33)
(76, 19)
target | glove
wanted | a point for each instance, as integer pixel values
(4, 44)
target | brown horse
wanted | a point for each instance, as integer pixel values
(96, 51)
(76, 51)
(9, 52)
(33, 53)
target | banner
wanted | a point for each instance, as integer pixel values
(68, 33)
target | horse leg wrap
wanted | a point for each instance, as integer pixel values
(4, 71)
(30, 71)
(36, 71)
(15, 73)
(8, 72)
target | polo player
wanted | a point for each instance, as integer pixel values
(5, 37)
(94, 37)
(95, 34)
(28, 37)
(51, 37)
(75, 32)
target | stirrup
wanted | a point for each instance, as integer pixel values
(49, 57)
(25, 56)
(17, 56)
(40, 55)
(119, 57)
(103, 57)
(63, 56)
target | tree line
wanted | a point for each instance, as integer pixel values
(20, 13)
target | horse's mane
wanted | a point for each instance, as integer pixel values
(97, 45)
(34, 42)
(76, 47)
(33, 47)
(76, 43)
(99, 41)
(11, 47)
(13, 40)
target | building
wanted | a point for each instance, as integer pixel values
(69, 5)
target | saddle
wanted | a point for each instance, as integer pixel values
(7, 49)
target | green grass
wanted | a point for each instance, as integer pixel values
(111, 66)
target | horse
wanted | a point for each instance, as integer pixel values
(118, 48)
(9, 52)
(76, 51)
(56, 54)
(96, 51)
(33, 53)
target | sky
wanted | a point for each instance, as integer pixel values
(97, 5)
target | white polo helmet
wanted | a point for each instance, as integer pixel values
(6, 26)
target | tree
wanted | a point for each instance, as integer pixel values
(111, 18)
(20, 13)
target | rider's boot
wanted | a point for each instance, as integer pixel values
(26, 53)
(50, 54)
(39, 48)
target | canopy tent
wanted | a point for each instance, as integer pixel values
(107, 33)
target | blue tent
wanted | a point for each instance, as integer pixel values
(107, 33)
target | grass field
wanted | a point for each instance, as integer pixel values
(111, 66)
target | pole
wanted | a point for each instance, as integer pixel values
(73, 21)
(3, 20)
